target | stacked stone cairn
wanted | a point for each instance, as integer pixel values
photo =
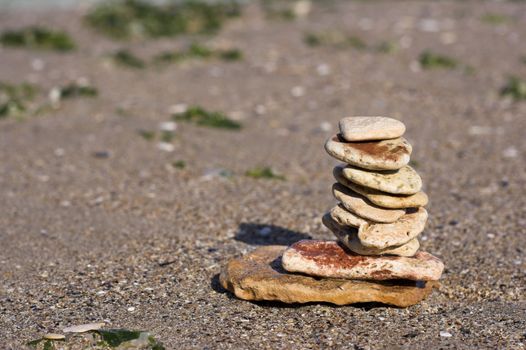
(376, 222)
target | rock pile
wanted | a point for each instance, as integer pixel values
(376, 222)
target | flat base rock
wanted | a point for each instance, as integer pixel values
(260, 276)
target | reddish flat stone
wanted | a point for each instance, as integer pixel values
(330, 259)
(260, 276)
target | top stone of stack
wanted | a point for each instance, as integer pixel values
(372, 143)
(370, 128)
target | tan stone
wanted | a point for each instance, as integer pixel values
(382, 199)
(81, 328)
(348, 236)
(380, 236)
(374, 155)
(360, 206)
(398, 233)
(54, 336)
(346, 218)
(370, 128)
(330, 259)
(403, 181)
(260, 276)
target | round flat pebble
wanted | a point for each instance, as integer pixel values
(348, 236)
(346, 218)
(360, 206)
(397, 233)
(370, 128)
(383, 235)
(382, 199)
(403, 181)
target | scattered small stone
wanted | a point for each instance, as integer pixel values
(323, 69)
(210, 174)
(477, 130)
(445, 334)
(510, 152)
(37, 64)
(54, 95)
(260, 109)
(168, 126)
(178, 108)
(59, 152)
(54, 336)
(429, 25)
(325, 126)
(84, 327)
(301, 8)
(297, 91)
(165, 147)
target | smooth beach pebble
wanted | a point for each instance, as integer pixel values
(360, 206)
(370, 128)
(381, 199)
(400, 232)
(374, 155)
(403, 181)
(348, 236)
(378, 235)
(346, 218)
